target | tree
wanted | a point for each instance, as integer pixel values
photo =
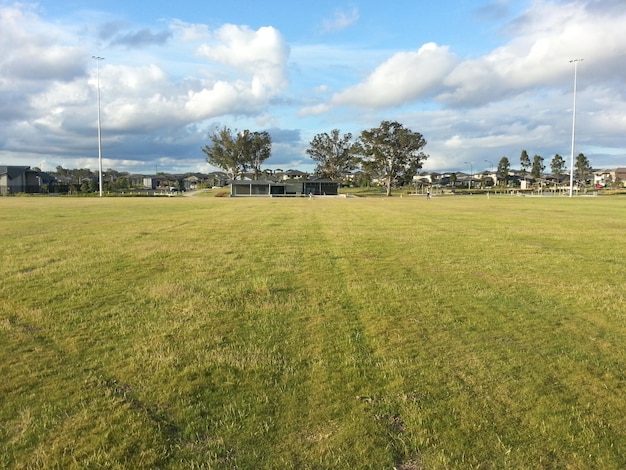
(557, 166)
(503, 170)
(362, 179)
(122, 182)
(524, 160)
(583, 168)
(255, 148)
(391, 152)
(235, 154)
(224, 153)
(538, 167)
(333, 153)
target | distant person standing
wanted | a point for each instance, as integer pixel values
(428, 195)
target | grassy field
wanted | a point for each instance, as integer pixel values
(461, 332)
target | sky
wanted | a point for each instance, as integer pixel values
(479, 79)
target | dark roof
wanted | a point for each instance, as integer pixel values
(46, 178)
(320, 179)
(294, 173)
(13, 171)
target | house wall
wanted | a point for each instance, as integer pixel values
(149, 183)
(319, 188)
(24, 182)
(293, 187)
(619, 174)
(250, 189)
(240, 190)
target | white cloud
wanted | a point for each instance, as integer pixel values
(33, 50)
(340, 20)
(261, 54)
(542, 42)
(405, 77)
(190, 32)
(547, 37)
(48, 88)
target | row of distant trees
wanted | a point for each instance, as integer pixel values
(535, 168)
(389, 152)
(86, 181)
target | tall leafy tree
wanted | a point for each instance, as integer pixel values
(333, 153)
(538, 167)
(557, 166)
(583, 168)
(255, 148)
(391, 152)
(61, 171)
(235, 153)
(224, 152)
(525, 164)
(504, 166)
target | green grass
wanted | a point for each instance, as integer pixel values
(461, 332)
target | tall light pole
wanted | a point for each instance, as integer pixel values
(98, 59)
(571, 170)
(469, 186)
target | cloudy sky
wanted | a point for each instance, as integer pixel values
(479, 79)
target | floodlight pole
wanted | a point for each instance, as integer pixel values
(98, 59)
(571, 170)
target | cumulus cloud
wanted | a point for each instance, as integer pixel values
(405, 77)
(31, 52)
(546, 38)
(542, 41)
(261, 54)
(48, 88)
(254, 71)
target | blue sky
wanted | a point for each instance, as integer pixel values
(479, 79)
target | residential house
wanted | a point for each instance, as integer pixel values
(218, 179)
(292, 174)
(21, 179)
(604, 178)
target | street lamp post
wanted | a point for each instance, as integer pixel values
(571, 170)
(98, 59)
(469, 186)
